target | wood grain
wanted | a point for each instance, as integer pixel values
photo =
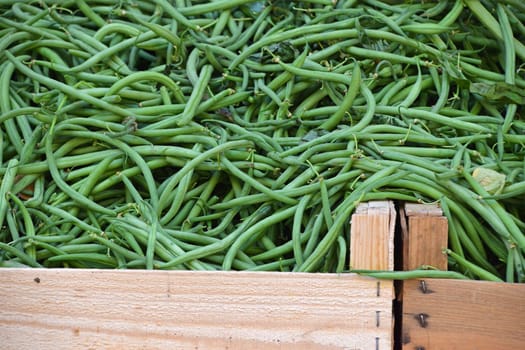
(425, 236)
(132, 309)
(421, 209)
(466, 315)
(372, 236)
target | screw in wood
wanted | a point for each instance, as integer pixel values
(423, 286)
(377, 318)
(422, 319)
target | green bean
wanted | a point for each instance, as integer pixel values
(434, 117)
(176, 14)
(196, 96)
(90, 45)
(289, 34)
(67, 216)
(510, 62)
(63, 185)
(36, 16)
(396, 87)
(341, 261)
(486, 18)
(248, 33)
(203, 199)
(178, 200)
(94, 17)
(149, 214)
(97, 259)
(519, 263)
(346, 104)
(164, 247)
(24, 258)
(409, 275)
(28, 223)
(325, 203)
(210, 7)
(328, 76)
(116, 178)
(51, 34)
(485, 275)
(471, 241)
(348, 204)
(268, 92)
(161, 31)
(138, 76)
(369, 114)
(273, 266)
(65, 88)
(221, 245)
(254, 229)
(13, 226)
(10, 125)
(427, 28)
(296, 230)
(198, 159)
(5, 187)
(261, 140)
(291, 190)
(109, 28)
(511, 227)
(414, 91)
(272, 194)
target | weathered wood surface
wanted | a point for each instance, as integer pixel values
(372, 236)
(130, 309)
(468, 315)
(425, 235)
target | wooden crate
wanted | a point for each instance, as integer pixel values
(452, 314)
(136, 309)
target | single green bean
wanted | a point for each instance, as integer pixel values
(409, 275)
(347, 102)
(5, 187)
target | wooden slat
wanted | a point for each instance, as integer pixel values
(421, 209)
(452, 314)
(372, 236)
(425, 235)
(131, 309)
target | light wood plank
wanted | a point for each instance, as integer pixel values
(131, 309)
(372, 236)
(425, 236)
(463, 315)
(422, 209)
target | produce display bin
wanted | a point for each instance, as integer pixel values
(246, 174)
(140, 309)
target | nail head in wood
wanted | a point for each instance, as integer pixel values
(422, 319)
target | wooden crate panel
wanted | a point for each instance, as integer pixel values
(372, 236)
(130, 309)
(424, 232)
(468, 315)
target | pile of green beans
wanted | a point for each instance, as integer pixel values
(238, 134)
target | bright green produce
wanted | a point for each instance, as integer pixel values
(243, 134)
